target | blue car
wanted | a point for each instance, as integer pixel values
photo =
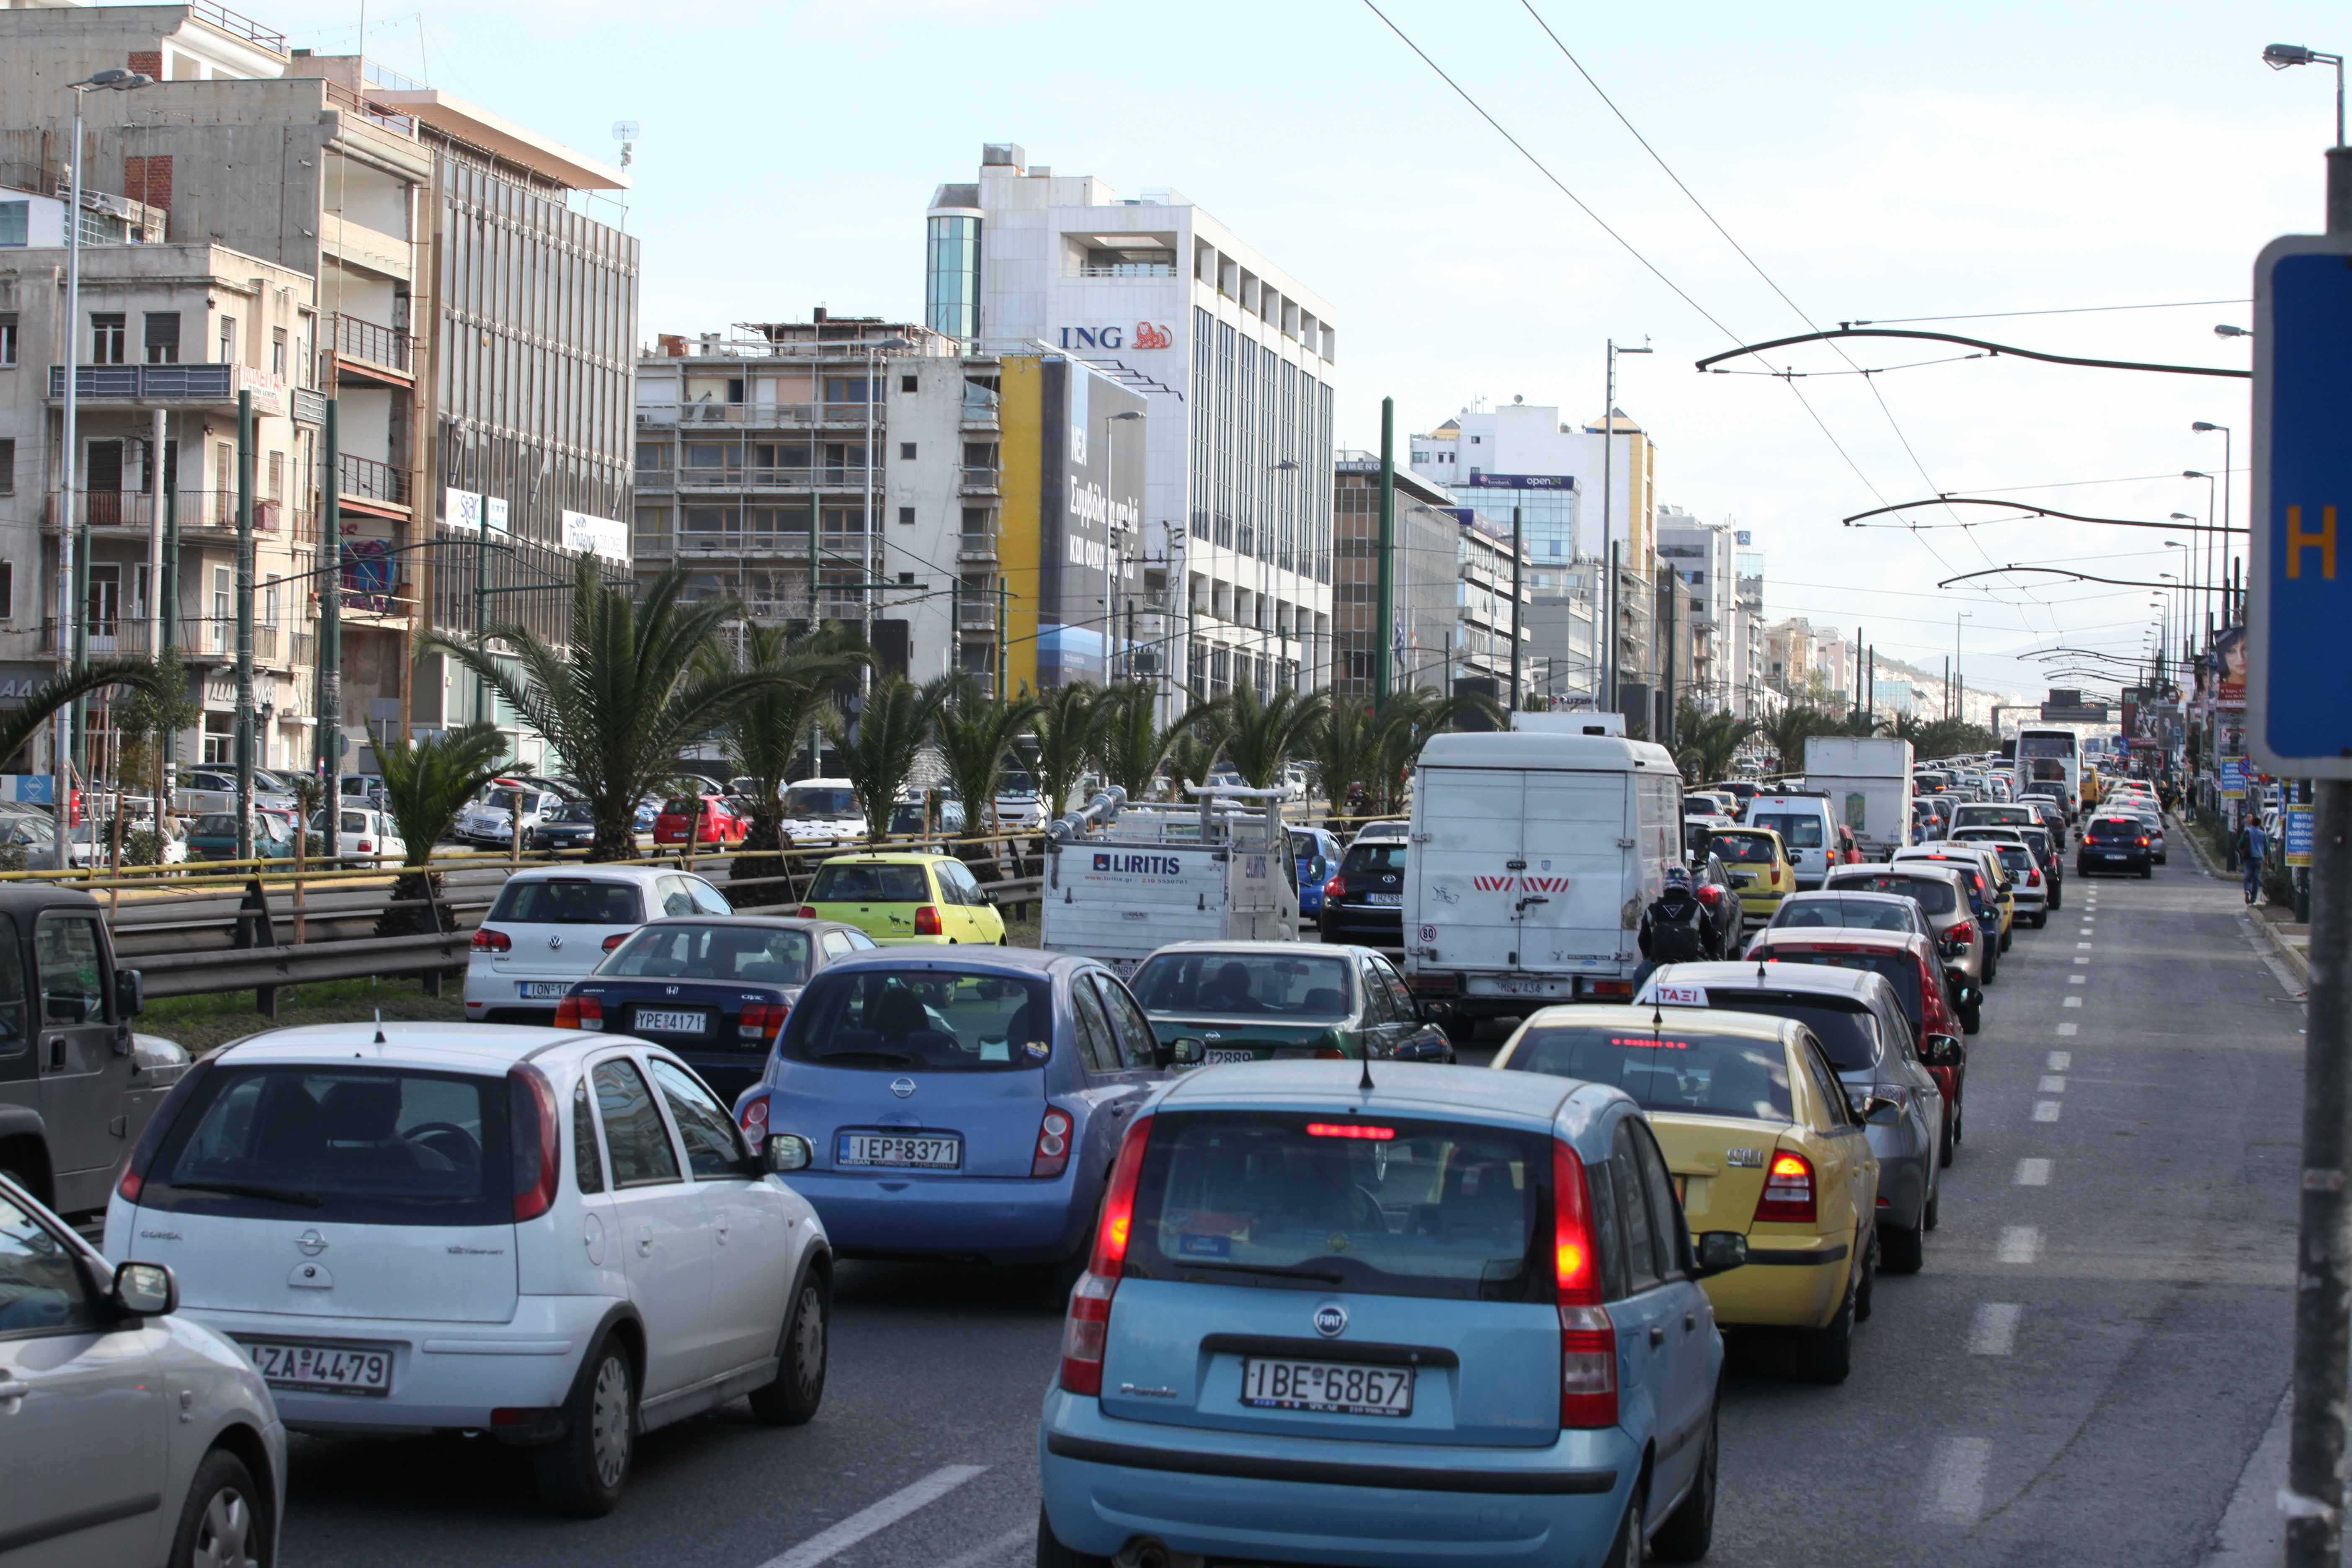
(961, 1103)
(1441, 1319)
(1316, 853)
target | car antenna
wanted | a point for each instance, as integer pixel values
(378, 1028)
(1760, 965)
(1364, 1082)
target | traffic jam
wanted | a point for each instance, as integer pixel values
(1408, 1177)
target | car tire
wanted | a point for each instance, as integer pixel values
(1631, 1547)
(1971, 1018)
(1905, 1251)
(1865, 1297)
(582, 1473)
(1944, 1143)
(2008, 934)
(2146, 872)
(1825, 1355)
(2042, 920)
(226, 1519)
(1052, 1553)
(1689, 1530)
(801, 1345)
(1932, 1214)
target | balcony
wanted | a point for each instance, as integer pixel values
(133, 509)
(976, 547)
(238, 26)
(108, 636)
(365, 480)
(749, 415)
(731, 478)
(976, 616)
(979, 481)
(305, 648)
(981, 408)
(369, 351)
(169, 385)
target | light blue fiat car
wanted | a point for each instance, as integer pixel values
(1454, 1316)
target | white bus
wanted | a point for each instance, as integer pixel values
(2052, 756)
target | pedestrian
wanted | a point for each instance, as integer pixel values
(1672, 927)
(2250, 848)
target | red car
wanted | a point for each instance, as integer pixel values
(1909, 963)
(719, 824)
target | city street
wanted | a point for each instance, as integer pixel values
(2096, 1345)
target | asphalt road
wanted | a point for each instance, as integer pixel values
(2079, 1376)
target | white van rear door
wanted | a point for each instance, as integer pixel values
(1579, 845)
(1461, 888)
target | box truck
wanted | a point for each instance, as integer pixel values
(1868, 781)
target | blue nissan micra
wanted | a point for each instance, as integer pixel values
(1440, 1319)
(966, 1105)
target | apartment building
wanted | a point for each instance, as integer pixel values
(1235, 361)
(1702, 555)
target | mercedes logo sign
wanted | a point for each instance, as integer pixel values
(902, 1087)
(1330, 1320)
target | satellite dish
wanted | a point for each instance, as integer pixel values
(624, 130)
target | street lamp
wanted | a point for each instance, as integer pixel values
(1111, 534)
(2223, 330)
(1608, 455)
(2278, 56)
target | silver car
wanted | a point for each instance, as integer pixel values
(128, 1436)
(1942, 896)
(2028, 886)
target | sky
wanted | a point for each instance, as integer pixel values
(1866, 163)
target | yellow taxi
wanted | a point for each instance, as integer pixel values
(1761, 872)
(1761, 1140)
(905, 900)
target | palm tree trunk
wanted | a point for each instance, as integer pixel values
(757, 861)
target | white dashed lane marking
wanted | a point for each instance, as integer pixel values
(2067, 1030)
(2080, 959)
(2072, 1002)
(2061, 1060)
(2074, 980)
(2045, 1110)
(828, 1544)
(2034, 1173)
(1993, 1332)
(1955, 1482)
(2018, 1243)
(2054, 1084)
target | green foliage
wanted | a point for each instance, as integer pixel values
(1192, 755)
(19, 725)
(1710, 742)
(1130, 741)
(1262, 732)
(975, 734)
(1344, 745)
(428, 782)
(766, 735)
(1063, 741)
(1786, 730)
(144, 847)
(1407, 722)
(878, 752)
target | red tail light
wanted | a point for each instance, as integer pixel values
(1609, 988)
(615, 940)
(1788, 1197)
(579, 1013)
(1336, 887)
(1087, 1327)
(806, 912)
(753, 1119)
(1964, 935)
(1052, 1153)
(488, 939)
(761, 1020)
(2033, 878)
(1710, 895)
(366, 847)
(1588, 1339)
(2141, 841)
(531, 1133)
(927, 921)
(142, 1155)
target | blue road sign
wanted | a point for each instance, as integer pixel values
(2299, 598)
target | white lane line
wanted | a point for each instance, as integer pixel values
(1955, 1482)
(997, 1550)
(2082, 946)
(2078, 957)
(2067, 1030)
(2076, 980)
(2061, 1060)
(2072, 1002)
(825, 1545)
(2034, 1173)
(2045, 1110)
(1993, 1332)
(2053, 1084)
(2018, 1243)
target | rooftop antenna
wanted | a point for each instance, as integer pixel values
(1364, 1083)
(1760, 965)
(625, 132)
(378, 1028)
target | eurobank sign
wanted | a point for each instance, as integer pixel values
(1142, 335)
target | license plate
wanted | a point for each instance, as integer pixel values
(542, 987)
(1500, 988)
(332, 1369)
(1385, 900)
(927, 1151)
(669, 1023)
(1340, 1388)
(1216, 1056)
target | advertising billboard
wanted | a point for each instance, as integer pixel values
(1074, 472)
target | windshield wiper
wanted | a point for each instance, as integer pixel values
(250, 1190)
(1319, 1276)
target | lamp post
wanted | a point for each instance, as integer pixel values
(1608, 456)
(2278, 56)
(2210, 501)
(73, 606)
(1959, 687)
(2206, 428)
(866, 566)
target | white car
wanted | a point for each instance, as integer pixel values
(2028, 888)
(822, 811)
(551, 925)
(560, 1239)
(126, 1428)
(362, 835)
(490, 821)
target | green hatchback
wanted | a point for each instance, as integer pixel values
(1270, 1001)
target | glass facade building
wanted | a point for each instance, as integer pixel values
(951, 277)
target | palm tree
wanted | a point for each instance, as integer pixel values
(1344, 745)
(1262, 733)
(976, 735)
(1710, 742)
(1407, 722)
(153, 714)
(1131, 741)
(19, 726)
(764, 736)
(878, 752)
(1063, 732)
(1193, 754)
(1785, 732)
(631, 692)
(426, 785)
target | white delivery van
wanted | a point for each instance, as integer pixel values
(1532, 856)
(1808, 832)
(1220, 872)
(1868, 781)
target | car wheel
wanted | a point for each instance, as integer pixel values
(1689, 1530)
(1631, 1547)
(2042, 920)
(1944, 1143)
(1932, 1214)
(2008, 935)
(1826, 1354)
(1052, 1553)
(1867, 1296)
(1971, 1018)
(222, 1524)
(2146, 872)
(583, 1472)
(799, 1387)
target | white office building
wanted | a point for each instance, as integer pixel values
(1231, 565)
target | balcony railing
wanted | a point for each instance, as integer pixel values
(976, 617)
(736, 542)
(343, 98)
(241, 26)
(372, 342)
(751, 416)
(980, 479)
(215, 385)
(841, 477)
(135, 508)
(109, 635)
(305, 648)
(365, 479)
(976, 546)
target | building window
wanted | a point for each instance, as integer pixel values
(220, 739)
(269, 603)
(15, 222)
(223, 612)
(907, 384)
(229, 340)
(907, 515)
(277, 476)
(8, 339)
(7, 590)
(163, 337)
(906, 579)
(653, 456)
(278, 352)
(905, 451)
(7, 465)
(106, 339)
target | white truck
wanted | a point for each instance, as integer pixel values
(1154, 875)
(1868, 781)
(1530, 859)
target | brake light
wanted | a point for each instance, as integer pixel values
(2033, 878)
(753, 1121)
(615, 940)
(1088, 1324)
(579, 1013)
(806, 912)
(1336, 887)
(366, 847)
(1588, 1339)
(1348, 1130)
(1609, 988)
(531, 1133)
(2141, 840)
(142, 1155)
(488, 939)
(927, 921)
(1788, 1197)
(1964, 936)
(1052, 1153)
(761, 1020)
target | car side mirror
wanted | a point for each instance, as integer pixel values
(1187, 1051)
(145, 1290)
(1719, 1252)
(1941, 1051)
(785, 1153)
(1881, 1111)
(1432, 1012)
(130, 993)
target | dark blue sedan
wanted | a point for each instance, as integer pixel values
(716, 990)
(965, 1105)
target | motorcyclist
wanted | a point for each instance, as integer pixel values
(1673, 928)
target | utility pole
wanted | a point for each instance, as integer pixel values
(245, 625)
(331, 631)
(1384, 607)
(1516, 552)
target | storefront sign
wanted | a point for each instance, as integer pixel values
(2297, 824)
(1522, 482)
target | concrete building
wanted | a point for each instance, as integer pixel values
(1425, 580)
(1703, 554)
(1234, 360)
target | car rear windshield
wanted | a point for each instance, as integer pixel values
(1386, 856)
(1848, 1034)
(752, 954)
(1682, 1066)
(1900, 969)
(2114, 829)
(684, 805)
(566, 901)
(1374, 1205)
(362, 1145)
(1742, 848)
(1254, 984)
(821, 801)
(1935, 895)
(1808, 910)
(1999, 815)
(939, 1020)
(1796, 832)
(870, 885)
(217, 825)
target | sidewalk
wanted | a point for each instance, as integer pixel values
(2289, 936)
